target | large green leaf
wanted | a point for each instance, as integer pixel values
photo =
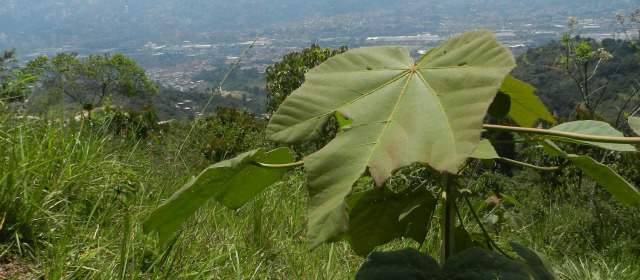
(634, 122)
(232, 182)
(597, 128)
(526, 107)
(403, 112)
(615, 184)
(620, 188)
(378, 216)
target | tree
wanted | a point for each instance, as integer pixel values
(288, 75)
(15, 81)
(95, 79)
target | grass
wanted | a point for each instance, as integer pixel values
(73, 199)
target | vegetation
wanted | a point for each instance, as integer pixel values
(394, 112)
(80, 197)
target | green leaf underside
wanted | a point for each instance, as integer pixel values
(403, 112)
(232, 182)
(616, 185)
(634, 123)
(379, 216)
(526, 106)
(597, 128)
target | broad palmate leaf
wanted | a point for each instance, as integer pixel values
(232, 182)
(403, 111)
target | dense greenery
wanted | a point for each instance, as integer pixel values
(614, 82)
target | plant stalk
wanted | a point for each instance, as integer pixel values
(448, 218)
(572, 135)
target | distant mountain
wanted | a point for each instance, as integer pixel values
(109, 23)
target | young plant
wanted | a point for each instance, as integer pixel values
(394, 112)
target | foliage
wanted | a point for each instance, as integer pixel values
(91, 81)
(126, 123)
(15, 81)
(613, 84)
(228, 133)
(286, 76)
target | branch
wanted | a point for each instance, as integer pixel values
(572, 135)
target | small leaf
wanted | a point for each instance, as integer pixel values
(615, 184)
(634, 123)
(377, 217)
(343, 122)
(485, 150)
(538, 264)
(597, 128)
(232, 182)
(501, 106)
(526, 107)
(404, 264)
(418, 220)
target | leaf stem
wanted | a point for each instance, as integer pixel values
(278, 166)
(572, 135)
(528, 165)
(484, 231)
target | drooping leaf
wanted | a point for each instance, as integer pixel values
(406, 264)
(615, 184)
(634, 122)
(526, 106)
(501, 106)
(620, 188)
(232, 182)
(378, 216)
(538, 264)
(403, 112)
(485, 150)
(416, 219)
(597, 128)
